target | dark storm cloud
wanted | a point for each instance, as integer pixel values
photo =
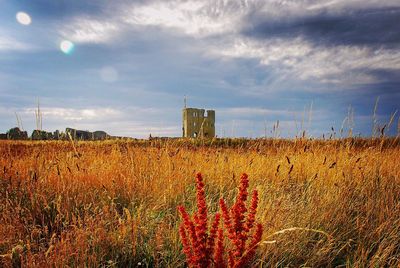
(387, 75)
(387, 86)
(372, 27)
(363, 97)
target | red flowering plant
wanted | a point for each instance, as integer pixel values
(205, 248)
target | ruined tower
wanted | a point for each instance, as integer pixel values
(198, 124)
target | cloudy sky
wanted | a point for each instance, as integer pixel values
(125, 66)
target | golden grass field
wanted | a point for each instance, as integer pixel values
(114, 204)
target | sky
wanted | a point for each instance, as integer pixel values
(125, 66)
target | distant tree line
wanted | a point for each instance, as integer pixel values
(17, 134)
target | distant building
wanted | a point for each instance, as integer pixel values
(198, 124)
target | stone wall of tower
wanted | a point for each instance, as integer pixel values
(195, 123)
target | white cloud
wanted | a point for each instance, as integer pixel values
(206, 19)
(268, 52)
(128, 121)
(196, 18)
(86, 30)
(8, 43)
(302, 60)
(251, 112)
(143, 130)
(336, 5)
(67, 114)
(201, 18)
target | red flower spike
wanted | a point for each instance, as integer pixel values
(219, 250)
(231, 260)
(185, 242)
(213, 234)
(251, 218)
(251, 250)
(201, 221)
(238, 211)
(227, 220)
(189, 226)
(202, 249)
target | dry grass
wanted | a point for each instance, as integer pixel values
(322, 203)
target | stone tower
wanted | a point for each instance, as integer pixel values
(198, 124)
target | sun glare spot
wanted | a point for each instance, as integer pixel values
(67, 46)
(23, 18)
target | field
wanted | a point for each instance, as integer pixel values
(114, 203)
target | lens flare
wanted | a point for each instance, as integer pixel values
(23, 18)
(67, 47)
(109, 74)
